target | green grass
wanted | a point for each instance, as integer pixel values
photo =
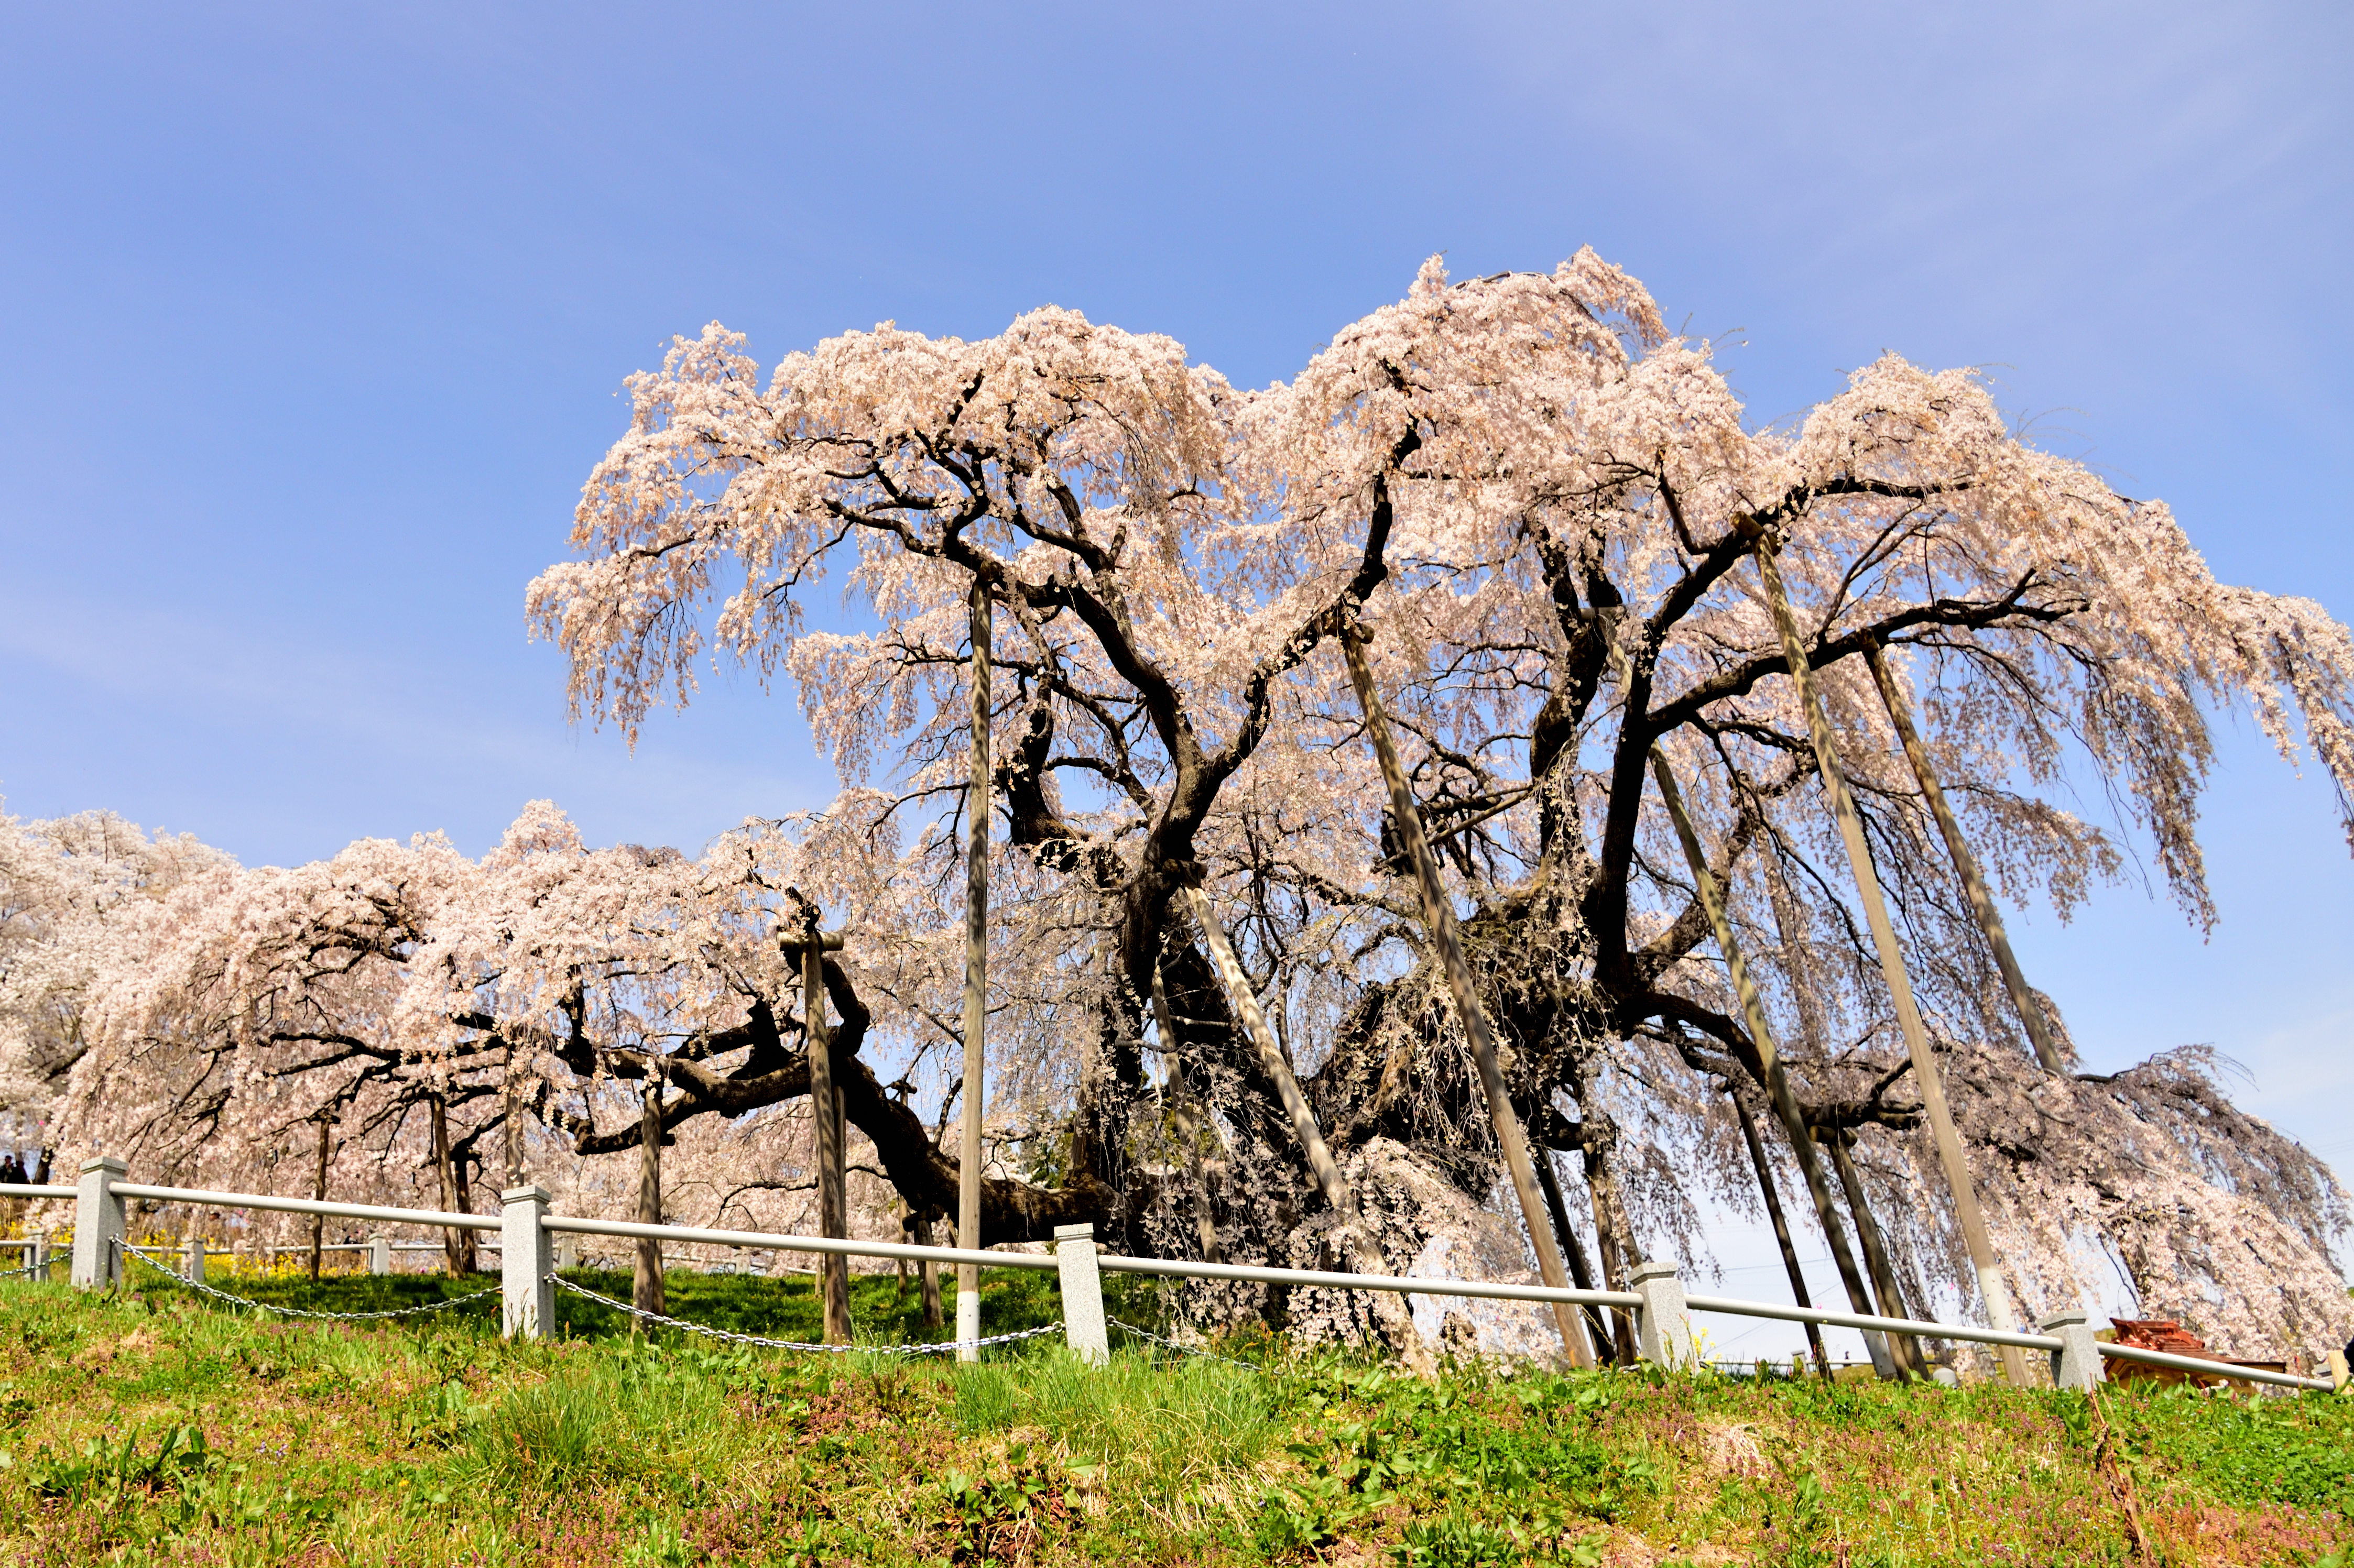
(776, 1308)
(150, 1427)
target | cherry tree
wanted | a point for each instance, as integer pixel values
(74, 891)
(1544, 511)
(1547, 523)
(451, 1018)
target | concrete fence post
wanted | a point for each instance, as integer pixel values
(526, 1259)
(568, 1252)
(2077, 1363)
(379, 1256)
(194, 1264)
(2341, 1377)
(39, 1261)
(1663, 1327)
(99, 1225)
(1083, 1311)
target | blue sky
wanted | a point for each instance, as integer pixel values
(314, 319)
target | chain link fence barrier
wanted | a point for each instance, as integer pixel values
(926, 1349)
(1181, 1348)
(175, 1275)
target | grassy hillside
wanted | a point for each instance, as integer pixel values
(150, 1426)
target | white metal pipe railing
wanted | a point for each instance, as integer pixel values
(1913, 1326)
(1997, 1337)
(1491, 1290)
(770, 1241)
(2211, 1369)
(306, 1206)
(776, 1241)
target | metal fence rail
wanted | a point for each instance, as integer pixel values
(1403, 1285)
(1863, 1320)
(526, 1233)
(770, 1241)
(306, 1206)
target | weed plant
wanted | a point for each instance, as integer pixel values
(147, 1425)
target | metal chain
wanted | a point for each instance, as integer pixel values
(298, 1312)
(926, 1349)
(41, 1267)
(1183, 1349)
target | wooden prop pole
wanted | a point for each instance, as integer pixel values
(1187, 1111)
(646, 1286)
(1396, 1318)
(832, 1208)
(511, 1118)
(457, 1245)
(1440, 916)
(929, 1281)
(326, 1121)
(1991, 1284)
(976, 975)
(1772, 1196)
(1613, 1234)
(1907, 1349)
(1779, 1093)
(1982, 905)
(1572, 1250)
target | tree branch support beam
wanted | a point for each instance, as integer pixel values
(1991, 1285)
(1982, 905)
(976, 977)
(1440, 915)
(1396, 1316)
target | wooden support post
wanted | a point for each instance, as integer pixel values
(1779, 1093)
(1439, 915)
(1904, 1348)
(1772, 1195)
(899, 1289)
(511, 1122)
(1581, 1273)
(1614, 1239)
(976, 975)
(928, 1276)
(825, 1110)
(1991, 1285)
(646, 1286)
(1187, 1111)
(1618, 1249)
(325, 1117)
(1396, 1316)
(457, 1245)
(1982, 905)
